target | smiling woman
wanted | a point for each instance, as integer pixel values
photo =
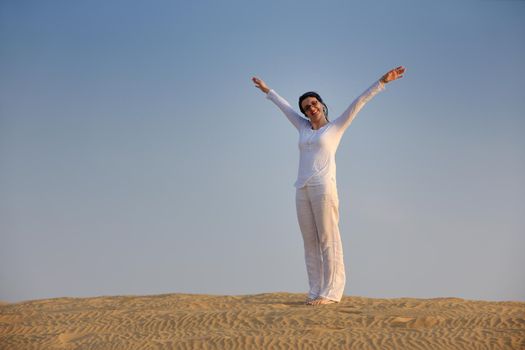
(309, 104)
(317, 200)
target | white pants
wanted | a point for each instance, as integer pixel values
(318, 216)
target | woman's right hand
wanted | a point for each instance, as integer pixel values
(261, 85)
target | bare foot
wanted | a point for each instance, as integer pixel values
(321, 301)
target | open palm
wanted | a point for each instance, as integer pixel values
(394, 74)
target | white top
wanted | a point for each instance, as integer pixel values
(317, 147)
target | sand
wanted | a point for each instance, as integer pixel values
(263, 321)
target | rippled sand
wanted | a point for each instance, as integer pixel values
(264, 321)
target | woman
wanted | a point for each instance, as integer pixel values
(317, 201)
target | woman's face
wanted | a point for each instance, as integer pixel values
(313, 109)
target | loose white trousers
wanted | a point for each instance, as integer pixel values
(318, 216)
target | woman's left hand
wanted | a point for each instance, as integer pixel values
(394, 74)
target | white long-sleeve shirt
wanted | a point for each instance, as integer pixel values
(317, 148)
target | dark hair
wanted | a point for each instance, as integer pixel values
(312, 94)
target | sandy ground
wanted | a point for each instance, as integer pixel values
(264, 321)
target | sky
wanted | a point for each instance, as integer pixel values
(136, 156)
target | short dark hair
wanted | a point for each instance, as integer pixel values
(312, 94)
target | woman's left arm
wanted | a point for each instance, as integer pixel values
(348, 116)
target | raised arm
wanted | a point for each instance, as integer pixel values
(294, 117)
(348, 116)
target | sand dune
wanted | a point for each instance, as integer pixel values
(264, 321)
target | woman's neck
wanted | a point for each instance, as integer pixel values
(318, 124)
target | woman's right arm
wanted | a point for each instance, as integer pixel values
(294, 117)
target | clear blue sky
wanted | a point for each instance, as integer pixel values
(136, 157)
